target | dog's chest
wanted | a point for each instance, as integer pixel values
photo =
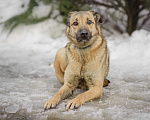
(84, 56)
(86, 63)
(86, 80)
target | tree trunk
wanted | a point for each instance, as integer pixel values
(132, 11)
(132, 23)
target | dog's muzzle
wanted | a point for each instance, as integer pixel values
(83, 35)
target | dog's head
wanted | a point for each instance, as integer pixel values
(83, 27)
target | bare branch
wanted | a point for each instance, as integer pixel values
(103, 4)
(144, 21)
(113, 6)
(120, 4)
(139, 10)
(143, 15)
(107, 29)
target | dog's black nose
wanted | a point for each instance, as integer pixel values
(84, 33)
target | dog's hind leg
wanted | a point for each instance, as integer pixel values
(106, 82)
(60, 65)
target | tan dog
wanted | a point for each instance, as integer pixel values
(84, 62)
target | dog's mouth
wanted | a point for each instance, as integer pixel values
(83, 35)
(83, 39)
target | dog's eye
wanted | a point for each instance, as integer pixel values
(89, 22)
(75, 23)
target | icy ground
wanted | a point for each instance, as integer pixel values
(27, 77)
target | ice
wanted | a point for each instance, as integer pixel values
(12, 109)
(27, 76)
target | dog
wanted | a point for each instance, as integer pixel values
(84, 62)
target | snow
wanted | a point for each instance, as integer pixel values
(27, 77)
(10, 8)
(41, 10)
(131, 52)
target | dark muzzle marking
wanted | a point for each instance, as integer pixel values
(83, 34)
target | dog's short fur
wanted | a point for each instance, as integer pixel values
(84, 62)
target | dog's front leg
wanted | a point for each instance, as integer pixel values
(71, 78)
(64, 91)
(92, 93)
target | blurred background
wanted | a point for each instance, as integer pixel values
(119, 15)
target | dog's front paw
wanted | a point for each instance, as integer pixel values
(51, 104)
(73, 104)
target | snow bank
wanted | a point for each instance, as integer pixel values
(130, 55)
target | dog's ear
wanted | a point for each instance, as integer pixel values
(68, 18)
(97, 17)
(98, 20)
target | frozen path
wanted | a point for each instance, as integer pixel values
(27, 81)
